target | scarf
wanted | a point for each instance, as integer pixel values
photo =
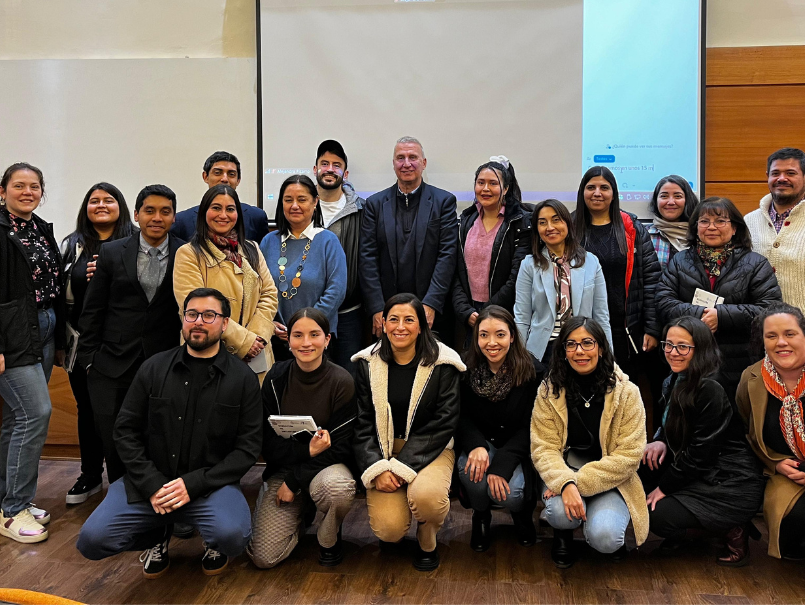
(561, 279)
(494, 387)
(228, 244)
(791, 420)
(714, 258)
(676, 233)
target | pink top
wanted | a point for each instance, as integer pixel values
(478, 255)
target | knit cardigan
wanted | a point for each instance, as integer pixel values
(785, 250)
(623, 438)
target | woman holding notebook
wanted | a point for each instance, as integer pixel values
(308, 471)
(719, 264)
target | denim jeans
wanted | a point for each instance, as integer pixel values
(222, 517)
(607, 519)
(349, 341)
(26, 415)
(480, 495)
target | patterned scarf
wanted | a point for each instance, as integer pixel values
(228, 244)
(714, 258)
(675, 232)
(791, 420)
(561, 279)
(494, 387)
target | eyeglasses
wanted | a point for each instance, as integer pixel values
(681, 349)
(719, 222)
(208, 317)
(587, 344)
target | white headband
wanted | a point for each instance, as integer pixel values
(500, 159)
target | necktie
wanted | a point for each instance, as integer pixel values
(150, 277)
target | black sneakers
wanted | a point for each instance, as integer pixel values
(213, 562)
(155, 560)
(84, 488)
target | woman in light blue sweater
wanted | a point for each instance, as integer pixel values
(306, 261)
(557, 281)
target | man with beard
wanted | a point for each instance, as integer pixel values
(189, 429)
(342, 211)
(778, 226)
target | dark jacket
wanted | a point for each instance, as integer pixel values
(747, 283)
(226, 434)
(255, 222)
(436, 233)
(293, 454)
(512, 244)
(20, 343)
(717, 435)
(347, 227)
(505, 424)
(642, 275)
(433, 419)
(118, 326)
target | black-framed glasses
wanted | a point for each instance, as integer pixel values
(208, 317)
(682, 349)
(586, 344)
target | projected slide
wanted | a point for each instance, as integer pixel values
(555, 85)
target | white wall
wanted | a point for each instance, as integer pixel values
(755, 22)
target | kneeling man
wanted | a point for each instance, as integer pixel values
(189, 429)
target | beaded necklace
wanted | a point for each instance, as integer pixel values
(282, 261)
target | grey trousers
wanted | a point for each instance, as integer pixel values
(275, 529)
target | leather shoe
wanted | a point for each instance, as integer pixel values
(524, 526)
(330, 557)
(737, 554)
(562, 552)
(620, 554)
(425, 561)
(480, 538)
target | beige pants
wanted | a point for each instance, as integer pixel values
(427, 498)
(275, 529)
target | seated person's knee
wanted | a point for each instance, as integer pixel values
(604, 537)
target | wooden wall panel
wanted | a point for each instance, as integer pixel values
(755, 65)
(745, 195)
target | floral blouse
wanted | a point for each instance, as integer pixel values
(44, 259)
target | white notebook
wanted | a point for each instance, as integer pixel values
(703, 298)
(288, 426)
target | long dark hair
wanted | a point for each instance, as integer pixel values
(583, 218)
(691, 201)
(279, 214)
(724, 208)
(507, 178)
(776, 308)
(520, 360)
(562, 376)
(576, 255)
(85, 233)
(704, 363)
(201, 239)
(427, 348)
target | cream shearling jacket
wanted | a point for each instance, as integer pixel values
(623, 439)
(785, 250)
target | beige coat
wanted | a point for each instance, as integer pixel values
(781, 493)
(252, 295)
(623, 439)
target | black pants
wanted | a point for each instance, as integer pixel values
(670, 519)
(107, 395)
(792, 530)
(89, 441)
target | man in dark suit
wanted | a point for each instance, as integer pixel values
(409, 238)
(130, 312)
(222, 167)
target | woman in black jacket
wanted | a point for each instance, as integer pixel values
(31, 339)
(699, 471)
(494, 237)
(631, 269)
(305, 469)
(720, 262)
(497, 398)
(103, 217)
(408, 402)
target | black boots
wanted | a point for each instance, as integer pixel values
(481, 522)
(524, 526)
(562, 552)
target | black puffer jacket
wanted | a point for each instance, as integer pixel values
(747, 283)
(641, 312)
(432, 421)
(512, 244)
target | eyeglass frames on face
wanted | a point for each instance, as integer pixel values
(682, 349)
(719, 222)
(207, 317)
(586, 344)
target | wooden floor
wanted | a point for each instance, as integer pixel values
(507, 573)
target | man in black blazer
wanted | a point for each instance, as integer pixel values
(130, 312)
(409, 238)
(222, 167)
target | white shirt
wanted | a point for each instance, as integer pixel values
(309, 232)
(329, 210)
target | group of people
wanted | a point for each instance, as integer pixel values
(185, 335)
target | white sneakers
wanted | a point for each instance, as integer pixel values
(23, 527)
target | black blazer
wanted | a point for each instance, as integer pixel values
(436, 235)
(255, 222)
(118, 325)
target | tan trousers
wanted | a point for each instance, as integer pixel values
(275, 529)
(427, 498)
